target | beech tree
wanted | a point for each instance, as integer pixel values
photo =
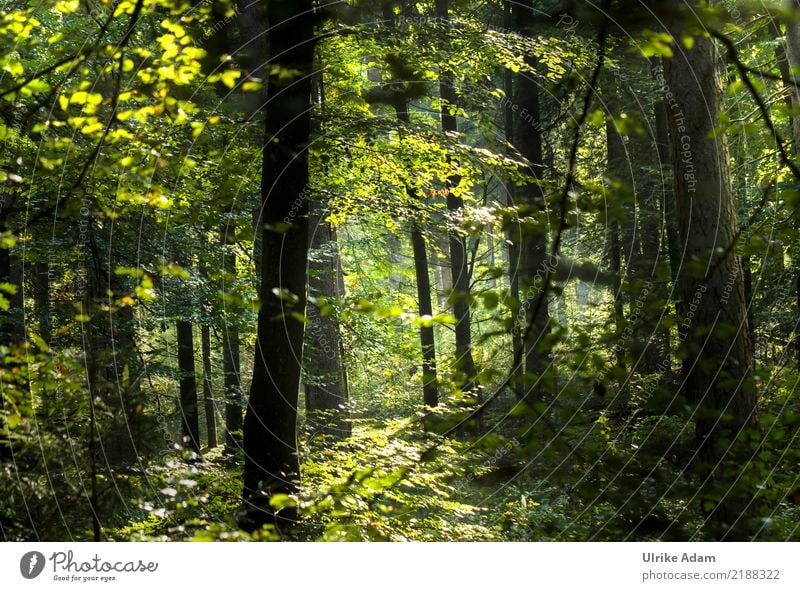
(717, 367)
(270, 423)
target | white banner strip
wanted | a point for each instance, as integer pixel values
(390, 567)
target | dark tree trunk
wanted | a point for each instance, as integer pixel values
(11, 320)
(270, 424)
(41, 295)
(324, 381)
(190, 421)
(234, 404)
(430, 390)
(208, 395)
(790, 66)
(464, 363)
(718, 363)
(233, 388)
(530, 200)
(665, 160)
(8, 329)
(430, 394)
(616, 168)
(513, 235)
(748, 300)
(615, 248)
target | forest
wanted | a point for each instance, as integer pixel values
(394, 270)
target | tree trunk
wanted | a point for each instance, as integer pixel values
(464, 364)
(324, 381)
(270, 424)
(792, 67)
(530, 200)
(208, 396)
(190, 421)
(514, 232)
(430, 394)
(665, 161)
(8, 330)
(230, 351)
(41, 295)
(233, 388)
(718, 363)
(430, 391)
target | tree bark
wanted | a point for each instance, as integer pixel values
(324, 381)
(190, 420)
(232, 384)
(792, 65)
(514, 232)
(665, 162)
(41, 295)
(530, 200)
(430, 390)
(464, 363)
(270, 424)
(208, 395)
(718, 363)
(430, 393)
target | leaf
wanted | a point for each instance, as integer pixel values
(284, 294)
(229, 77)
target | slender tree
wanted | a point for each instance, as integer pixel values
(530, 201)
(190, 425)
(430, 391)
(270, 424)
(208, 395)
(230, 350)
(458, 242)
(513, 234)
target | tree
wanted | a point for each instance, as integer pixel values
(230, 347)
(400, 92)
(789, 70)
(533, 223)
(460, 297)
(208, 395)
(324, 372)
(190, 425)
(270, 424)
(717, 362)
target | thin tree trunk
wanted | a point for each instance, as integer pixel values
(208, 395)
(464, 363)
(430, 394)
(41, 295)
(718, 363)
(430, 391)
(514, 233)
(231, 377)
(270, 424)
(190, 421)
(530, 199)
(440, 247)
(616, 270)
(232, 384)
